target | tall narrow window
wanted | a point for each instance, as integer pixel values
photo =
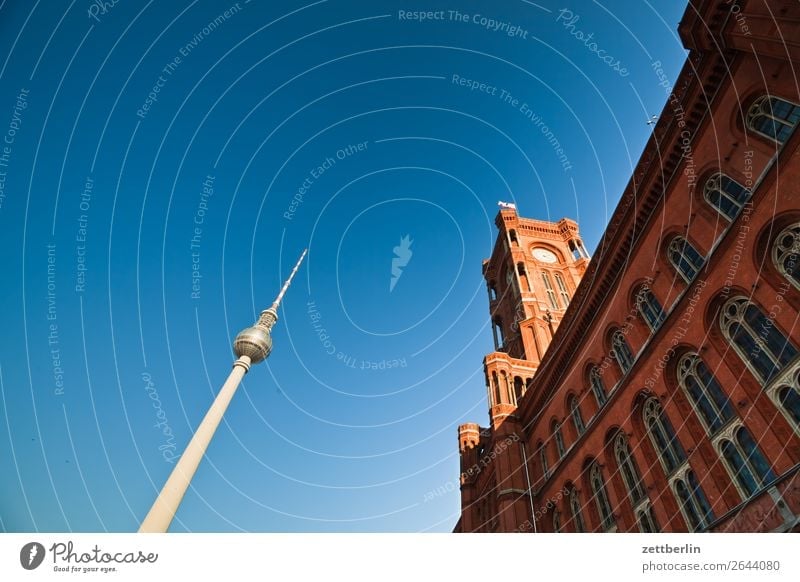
(519, 388)
(711, 403)
(523, 274)
(512, 235)
(789, 399)
(685, 258)
(548, 287)
(495, 390)
(575, 508)
(663, 436)
(575, 412)
(755, 338)
(726, 195)
(786, 253)
(622, 351)
(647, 520)
(499, 338)
(693, 502)
(746, 462)
(598, 389)
(543, 461)
(628, 469)
(576, 251)
(773, 117)
(562, 290)
(601, 497)
(650, 309)
(557, 436)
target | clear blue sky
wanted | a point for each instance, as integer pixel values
(258, 99)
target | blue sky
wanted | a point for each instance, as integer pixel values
(157, 142)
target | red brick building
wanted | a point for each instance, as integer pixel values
(666, 396)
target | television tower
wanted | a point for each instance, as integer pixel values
(252, 345)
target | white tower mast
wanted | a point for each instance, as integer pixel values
(251, 346)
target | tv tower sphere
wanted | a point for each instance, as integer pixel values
(255, 342)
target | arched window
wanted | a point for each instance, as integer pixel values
(495, 390)
(786, 253)
(499, 338)
(601, 497)
(523, 274)
(543, 461)
(711, 403)
(693, 503)
(662, 436)
(650, 309)
(576, 251)
(598, 389)
(622, 351)
(755, 338)
(628, 469)
(548, 287)
(789, 400)
(512, 235)
(575, 412)
(556, 521)
(726, 195)
(685, 258)
(773, 117)
(748, 466)
(508, 390)
(557, 436)
(647, 520)
(562, 290)
(575, 508)
(519, 387)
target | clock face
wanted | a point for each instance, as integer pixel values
(544, 255)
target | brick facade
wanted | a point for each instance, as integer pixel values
(641, 406)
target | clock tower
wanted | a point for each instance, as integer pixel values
(531, 276)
